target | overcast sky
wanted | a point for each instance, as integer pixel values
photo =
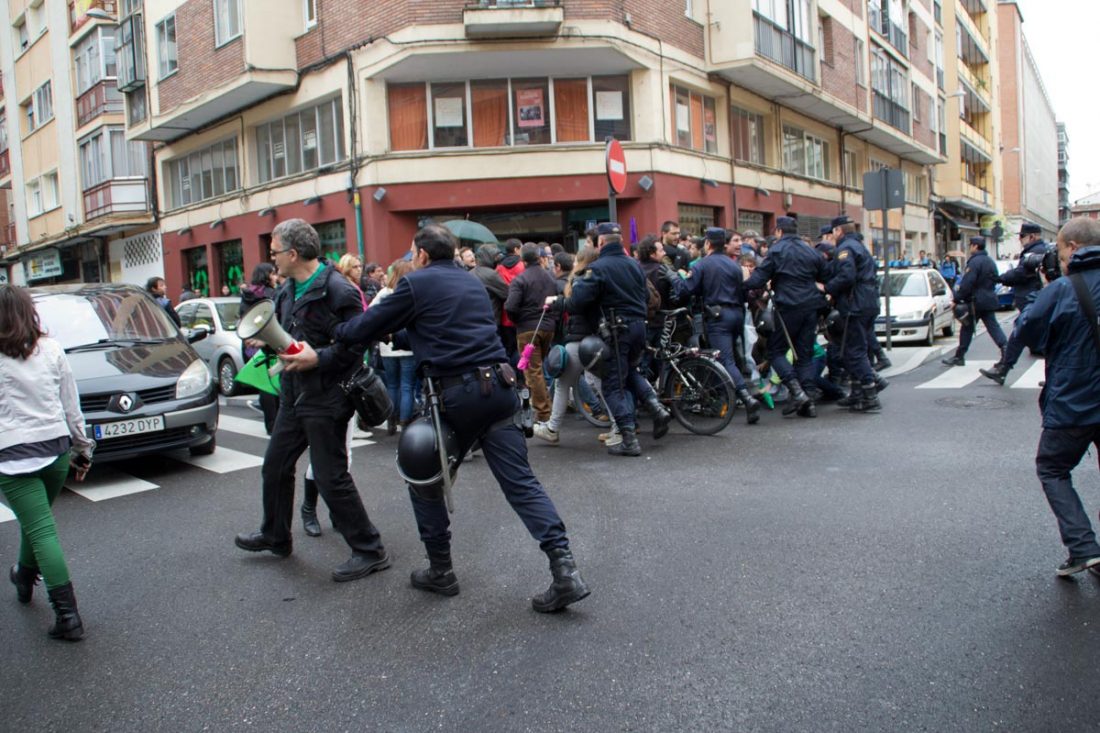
(1063, 36)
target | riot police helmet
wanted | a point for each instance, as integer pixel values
(591, 351)
(418, 457)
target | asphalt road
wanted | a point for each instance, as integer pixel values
(850, 573)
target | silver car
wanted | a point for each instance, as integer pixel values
(221, 349)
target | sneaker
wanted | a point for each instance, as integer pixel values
(1074, 565)
(610, 438)
(543, 431)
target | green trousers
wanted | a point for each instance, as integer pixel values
(30, 496)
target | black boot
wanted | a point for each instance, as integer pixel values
(808, 410)
(567, 587)
(880, 383)
(24, 578)
(391, 425)
(851, 398)
(882, 362)
(797, 400)
(868, 401)
(661, 417)
(752, 406)
(67, 624)
(628, 447)
(309, 509)
(438, 577)
(954, 361)
(997, 373)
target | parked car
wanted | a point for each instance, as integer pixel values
(143, 388)
(221, 348)
(920, 306)
(1005, 295)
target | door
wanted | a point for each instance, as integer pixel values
(941, 297)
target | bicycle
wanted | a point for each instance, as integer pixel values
(691, 381)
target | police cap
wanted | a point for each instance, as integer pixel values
(978, 241)
(840, 221)
(608, 227)
(716, 234)
(1028, 228)
(787, 224)
(825, 230)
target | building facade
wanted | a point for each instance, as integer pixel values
(1063, 175)
(79, 191)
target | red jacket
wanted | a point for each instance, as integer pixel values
(509, 268)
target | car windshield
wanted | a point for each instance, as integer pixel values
(76, 320)
(229, 313)
(904, 284)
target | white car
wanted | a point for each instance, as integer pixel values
(920, 306)
(221, 348)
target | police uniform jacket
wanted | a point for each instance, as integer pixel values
(717, 280)
(446, 315)
(853, 284)
(314, 318)
(794, 271)
(979, 283)
(613, 282)
(1056, 325)
(1023, 280)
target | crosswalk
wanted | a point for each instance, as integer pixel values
(964, 376)
(110, 481)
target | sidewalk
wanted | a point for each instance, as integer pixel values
(908, 358)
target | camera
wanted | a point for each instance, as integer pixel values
(1045, 262)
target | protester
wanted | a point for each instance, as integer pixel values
(351, 267)
(398, 364)
(157, 288)
(535, 325)
(260, 287)
(509, 269)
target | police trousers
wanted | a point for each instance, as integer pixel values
(992, 326)
(1060, 450)
(488, 419)
(801, 324)
(856, 350)
(621, 375)
(724, 333)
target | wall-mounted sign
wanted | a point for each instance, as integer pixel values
(41, 265)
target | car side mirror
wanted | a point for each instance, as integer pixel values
(198, 333)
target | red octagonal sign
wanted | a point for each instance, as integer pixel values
(616, 166)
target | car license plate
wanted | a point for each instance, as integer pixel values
(128, 427)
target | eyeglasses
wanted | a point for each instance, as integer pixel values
(280, 251)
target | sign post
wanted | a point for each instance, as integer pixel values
(883, 190)
(616, 175)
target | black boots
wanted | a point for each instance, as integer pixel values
(309, 509)
(954, 360)
(567, 586)
(629, 445)
(798, 399)
(438, 577)
(360, 565)
(867, 400)
(259, 542)
(752, 406)
(24, 579)
(67, 624)
(882, 362)
(661, 417)
(997, 373)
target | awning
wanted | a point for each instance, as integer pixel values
(958, 221)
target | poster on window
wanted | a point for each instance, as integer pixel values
(683, 118)
(448, 112)
(710, 129)
(609, 105)
(529, 108)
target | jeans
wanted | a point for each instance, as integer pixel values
(966, 335)
(400, 373)
(1060, 450)
(723, 333)
(30, 496)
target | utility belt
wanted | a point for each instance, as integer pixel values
(713, 311)
(482, 375)
(612, 324)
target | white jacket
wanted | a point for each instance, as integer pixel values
(384, 348)
(39, 401)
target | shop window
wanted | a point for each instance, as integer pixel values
(531, 116)
(490, 112)
(334, 239)
(231, 265)
(197, 271)
(695, 219)
(750, 221)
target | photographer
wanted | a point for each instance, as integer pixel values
(1064, 326)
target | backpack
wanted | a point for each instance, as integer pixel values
(653, 300)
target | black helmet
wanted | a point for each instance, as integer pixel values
(962, 312)
(591, 351)
(765, 321)
(418, 457)
(834, 326)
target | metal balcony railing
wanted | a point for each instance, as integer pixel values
(891, 112)
(779, 45)
(514, 4)
(103, 98)
(117, 195)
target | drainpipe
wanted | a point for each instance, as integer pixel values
(358, 220)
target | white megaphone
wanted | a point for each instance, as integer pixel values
(260, 323)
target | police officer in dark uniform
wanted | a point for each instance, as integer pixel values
(978, 291)
(718, 281)
(613, 291)
(448, 323)
(795, 271)
(1025, 282)
(854, 288)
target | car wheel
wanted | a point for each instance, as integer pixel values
(930, 340)
(227, 377)
(205, 449)
(949, 329)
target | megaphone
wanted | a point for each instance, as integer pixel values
(260, 323)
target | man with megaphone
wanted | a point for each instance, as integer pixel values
(313, 409)
(449, 325)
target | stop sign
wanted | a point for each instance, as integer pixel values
(616, 166)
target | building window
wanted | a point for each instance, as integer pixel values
(861, 61)
(34, 198)
(916, 188)
(22, 37)
(853, 176)
(748, 136)
(805, 154)
(204, 174)
(891, 90)
(887, 18)
(825, 39)
(310, 11)
(784, 34)
(301, 141)
(939, 60)
(135, 106)
(130, 47)
(129, 7)
(167, 61)
(106, 154)
(694, 120)
(503, 112)
(3, 132)
(42, 194)
(95, 59)
(38, 110)
(227, 21)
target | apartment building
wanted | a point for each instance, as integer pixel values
(1029, 134)
(1063, 175)
(368, 119)
(81, 206)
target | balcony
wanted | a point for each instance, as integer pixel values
(103, 98)
(117, 196)
(5, 164)
(972, 46)
(976, 196)
(7, 237)
(976, 86)
(890, 112)
(502, 18)
(781, 46)
(78, 11)
(975, 141)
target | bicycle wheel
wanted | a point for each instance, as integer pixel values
(596, 415)
(701, 396)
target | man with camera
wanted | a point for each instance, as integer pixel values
(977, 292)
(313, 409)
(1062, 323)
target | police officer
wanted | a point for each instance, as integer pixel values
(449, 325)
(613, 291)
(854, 288)
(977, 292)
(718, 282)
(795, 271)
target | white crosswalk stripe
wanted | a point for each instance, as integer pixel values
(1031, 378)
(1024, 376)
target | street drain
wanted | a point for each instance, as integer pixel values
(976, 402)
